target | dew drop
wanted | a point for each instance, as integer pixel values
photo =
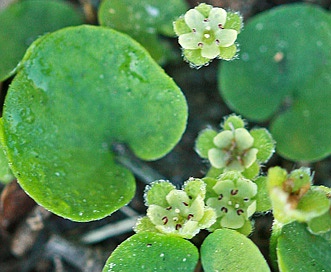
(162, 255)
(259, 26)
(245, 56)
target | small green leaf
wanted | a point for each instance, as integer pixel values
(299, 250)
(263, 202)
(78, 91)
(234, 21)
(264, 142)
(228, 53)
(146, 251)
(194, 58)
(314, 203)
(228, 250)
(204, 142)
(157, 191)
(180, 27)
(232, 122)
(21, 23)
(252, 171)
(320, 224)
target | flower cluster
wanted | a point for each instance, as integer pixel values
(206, 33)
(294, 198)
(176, 212)
(235, 148)
(233, 198)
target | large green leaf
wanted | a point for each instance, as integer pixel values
(299, 250)
(147, 251)
(77, 92)
(22, 22)
(144, 20)
(229, 250)
(284, 73)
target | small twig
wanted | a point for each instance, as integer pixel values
(128, 211)
(109, 230)
(83, 258)
(27, 233)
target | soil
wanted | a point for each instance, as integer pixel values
(32, 239)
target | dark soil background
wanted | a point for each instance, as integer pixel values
(32, 239)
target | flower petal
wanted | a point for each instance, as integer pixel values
(210, 51)
(217, 157)
(226, 37)
(243, 138)
(223, 139)
(189, 40)
(194, 19)
(232, 220)
(217, 18)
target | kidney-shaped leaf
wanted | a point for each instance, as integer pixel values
(149, 251)
(21, 23)
(78, 91)
(229, 250)
(284, 72)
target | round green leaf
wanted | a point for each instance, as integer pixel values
(299, 250)
(144, 20)
(229, 250)
(78, 91)
(284, 72)
(21, 23)
(148, 251)
(204, 142)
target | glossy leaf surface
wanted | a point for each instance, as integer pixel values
(284, 73)
(80, 90)
(149, 251)
(299, 250)
(22, 23)
(229, 250)
(144, 20)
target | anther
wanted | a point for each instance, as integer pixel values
(200, 44)
(220, 197)
(234, 191)
(169, 208)
(220, 26)
(185, 204)
(240, 211)
(194, 30)
(217, 42)
(206, 20)
(178, 226)
(246, 199)
(190, 216)
(165, 220)
(224, 209)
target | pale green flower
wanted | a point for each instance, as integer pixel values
(234, 150)
(234, 200)
(177, 212)
(207, 34)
